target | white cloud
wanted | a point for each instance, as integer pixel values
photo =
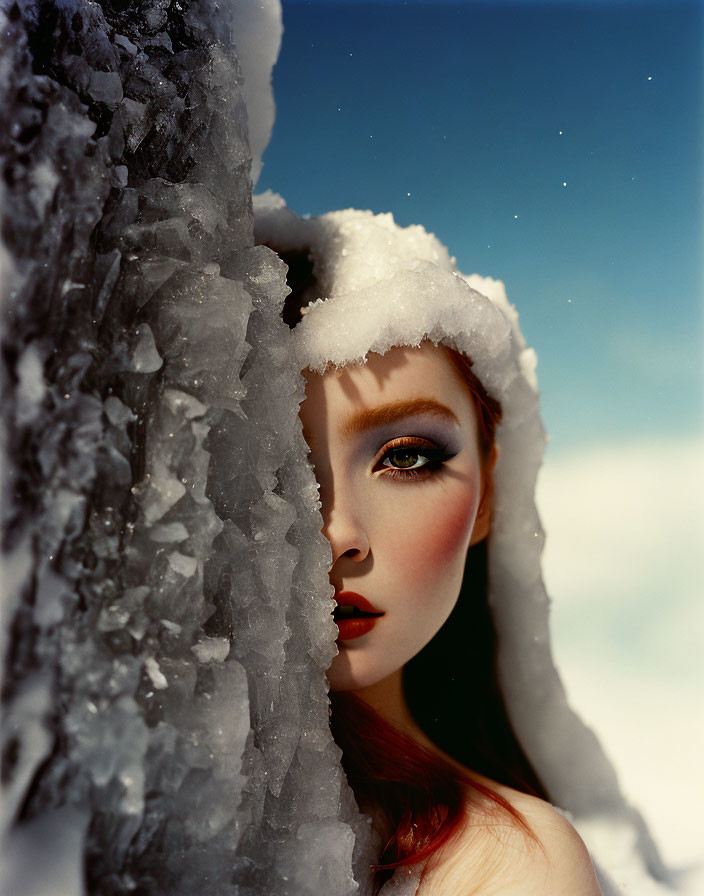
(621, 517)
(624, 564)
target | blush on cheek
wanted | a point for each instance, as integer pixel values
(440, 539)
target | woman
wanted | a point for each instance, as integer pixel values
(421, 415)
(400, 519)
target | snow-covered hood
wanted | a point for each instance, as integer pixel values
(380, 286)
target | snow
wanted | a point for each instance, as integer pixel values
(628, 630)
(258, 28)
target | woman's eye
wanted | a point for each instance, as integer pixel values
(409, 458)
(404, 459)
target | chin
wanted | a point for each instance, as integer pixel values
(351, 674)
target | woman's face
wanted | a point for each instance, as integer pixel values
(395, 450)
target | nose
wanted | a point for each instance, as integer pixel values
(346, 534)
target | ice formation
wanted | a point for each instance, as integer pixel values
(377, 286)
(166, 624)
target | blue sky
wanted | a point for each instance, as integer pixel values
(556, 147)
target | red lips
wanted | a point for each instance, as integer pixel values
(355, 626)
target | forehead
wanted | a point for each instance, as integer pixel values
(401, 374)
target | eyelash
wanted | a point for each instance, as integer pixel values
(435, 457)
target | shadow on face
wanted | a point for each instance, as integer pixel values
(395, 447)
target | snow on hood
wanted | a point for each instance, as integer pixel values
(380, 286)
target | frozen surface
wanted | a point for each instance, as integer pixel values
(166, 624)
(381, 285)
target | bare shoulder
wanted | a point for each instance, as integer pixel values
(495, 856)
(559, 863)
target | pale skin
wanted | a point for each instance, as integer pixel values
(405, 490)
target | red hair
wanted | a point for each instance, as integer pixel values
(422, 797)
(488, 408)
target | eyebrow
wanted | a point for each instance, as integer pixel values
(370, 418)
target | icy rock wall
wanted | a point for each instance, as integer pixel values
(165, 630)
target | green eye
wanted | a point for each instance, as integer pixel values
(413, 458)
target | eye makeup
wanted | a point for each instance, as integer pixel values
(412, 457)
(429, 430)
(385, 450)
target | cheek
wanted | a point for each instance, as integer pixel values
(435, 535)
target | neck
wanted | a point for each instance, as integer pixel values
(388, 699)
